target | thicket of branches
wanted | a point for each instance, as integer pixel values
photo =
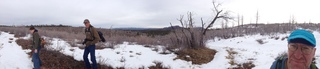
(192, 36)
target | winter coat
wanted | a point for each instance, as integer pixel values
(35, 40)
(281, 61)
(92, 36)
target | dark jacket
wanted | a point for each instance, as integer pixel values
(35, 40)
(92, 36)
(280, 64)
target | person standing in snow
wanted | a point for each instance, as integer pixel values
(35, 47)
(92, 37)
(301, 50)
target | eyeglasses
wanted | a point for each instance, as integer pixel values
(305, 49)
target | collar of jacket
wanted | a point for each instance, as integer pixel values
(35, 30)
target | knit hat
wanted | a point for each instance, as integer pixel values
(302, 36)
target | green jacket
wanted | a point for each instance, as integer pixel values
(92, 36)
(35, 40)
(280, 63)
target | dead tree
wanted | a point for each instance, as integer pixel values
(257, 18)
(193, 37)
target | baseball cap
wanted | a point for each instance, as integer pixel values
(302, 36)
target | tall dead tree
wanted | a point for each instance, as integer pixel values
(241, 20)
(257, 18)
(238, 20)
(193, 37)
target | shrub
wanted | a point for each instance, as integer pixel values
(260, 41)
(158, 66)
(196, 56)
(25, 44)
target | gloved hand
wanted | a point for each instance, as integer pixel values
(84, 41)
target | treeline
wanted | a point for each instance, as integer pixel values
(52, 25)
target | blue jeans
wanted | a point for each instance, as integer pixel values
(39, 55)
(36, 60)
(90, 49)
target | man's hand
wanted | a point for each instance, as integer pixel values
(35, 51)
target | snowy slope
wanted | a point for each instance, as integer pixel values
(137, 56)
(11, 55)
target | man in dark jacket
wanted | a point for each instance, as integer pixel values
(92, 37)
(301, 50)
(35, 47)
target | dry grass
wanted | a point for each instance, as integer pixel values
(158, 66)
(196, 56)
(247, 65)
(25, 44)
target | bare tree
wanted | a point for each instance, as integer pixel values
(292, 19)
(194, 37)
(241, 20)
(223, 25)
(238, 20)
(257, 18)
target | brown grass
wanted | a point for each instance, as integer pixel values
(25, 44)
(196, 56)
(158, 66)
(247, 65)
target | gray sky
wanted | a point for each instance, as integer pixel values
(149, 13)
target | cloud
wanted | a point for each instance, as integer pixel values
(148, 13)
(119, 13)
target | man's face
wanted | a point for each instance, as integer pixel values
(31, 31)
(300, 55)
(87, 24)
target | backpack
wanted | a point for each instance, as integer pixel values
(100, 35)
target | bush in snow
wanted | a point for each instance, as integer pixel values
(158, 66)
(260, 41)
(197, 56)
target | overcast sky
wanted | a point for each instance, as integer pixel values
(150, 13)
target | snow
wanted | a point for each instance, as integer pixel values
(11, 55)
(134, 56)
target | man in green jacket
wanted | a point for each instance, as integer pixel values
(301, 50)
(35, 47)
(92, 37)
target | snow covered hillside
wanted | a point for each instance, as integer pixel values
(134, 56)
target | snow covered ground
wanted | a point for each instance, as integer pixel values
(11, 54)
(136, 56)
